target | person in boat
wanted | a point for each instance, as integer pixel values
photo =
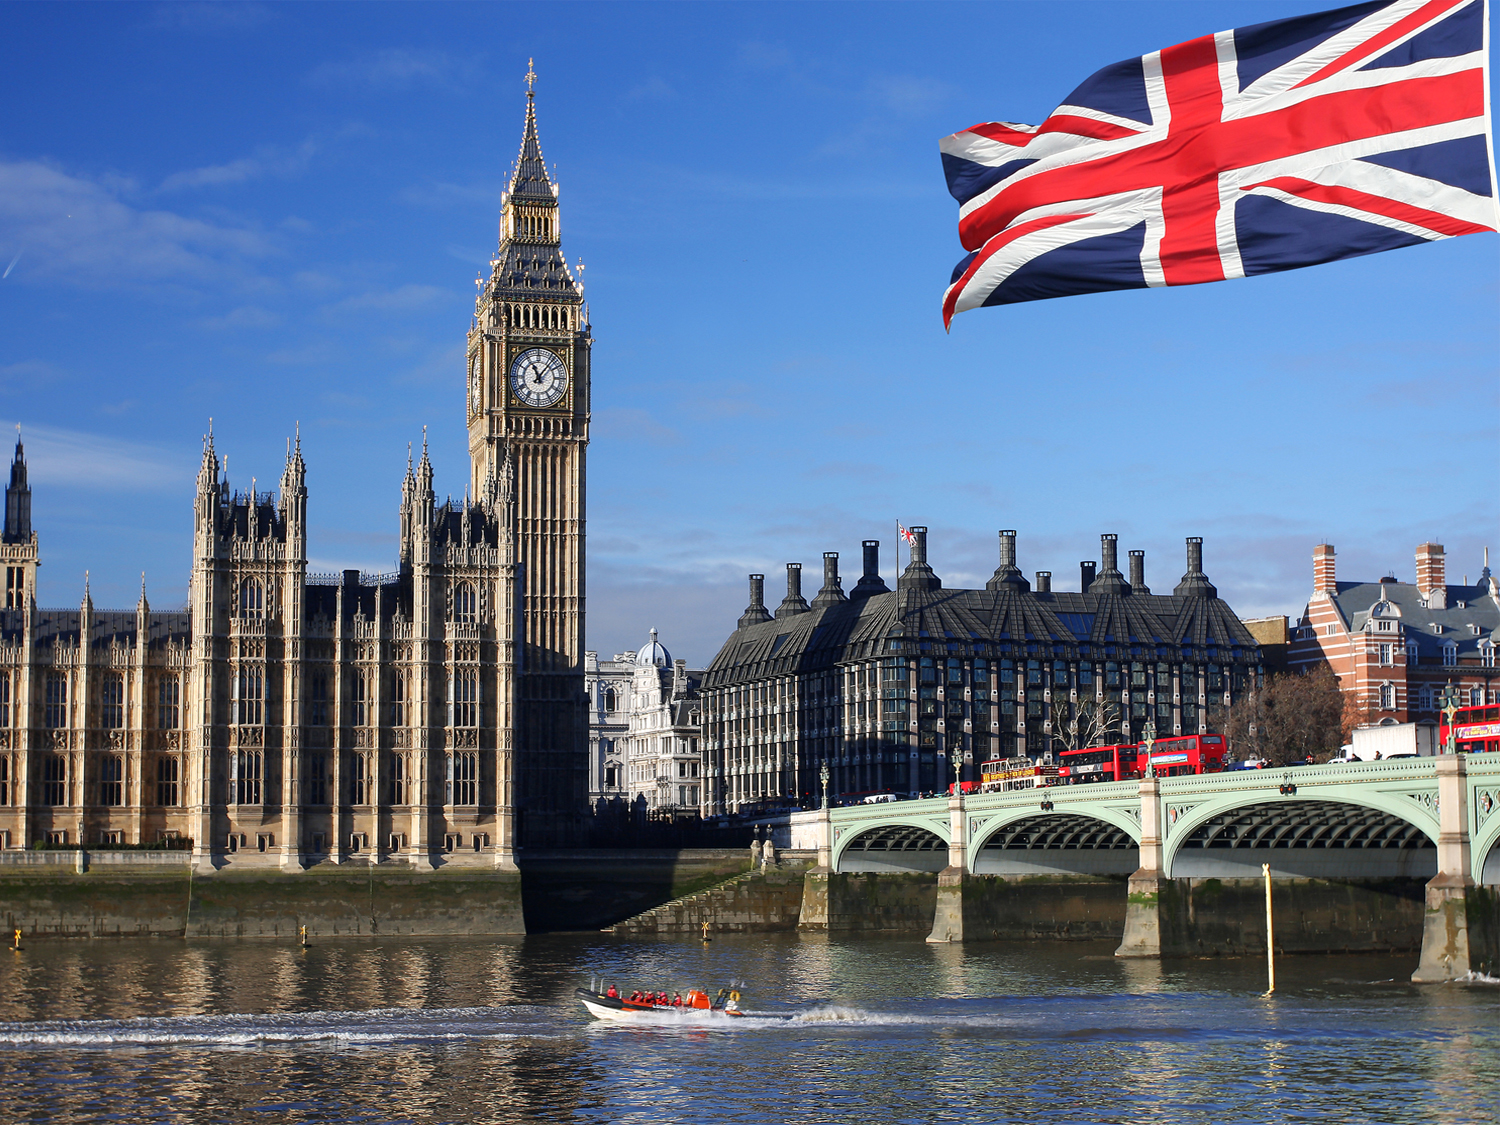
(661, 999)
(612, 992)
(676, 999)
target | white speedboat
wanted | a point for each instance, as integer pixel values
(696, 1007)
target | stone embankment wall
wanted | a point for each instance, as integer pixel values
(158, 894)
(117, 901)
(757, 901)
(852, 902)
(1055, 906)
(1228, 916)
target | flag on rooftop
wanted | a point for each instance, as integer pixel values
(1264, 148)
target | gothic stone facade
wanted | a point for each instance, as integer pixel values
(433, 714)
(889, 688)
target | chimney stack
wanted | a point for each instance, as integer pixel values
(1431, 575)
(794, 603)
(1007, 573)
(870, 582)
(756, 611)
(1195, 583)
(1109, 580)
(1323, 570)
(1086, 570)
(1138, 573)
(918, 574)
(833, 589)
(1044, 582)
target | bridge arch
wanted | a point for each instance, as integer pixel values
(1484, 843)
(892, 846)
(1309, 836)
(1059, 841)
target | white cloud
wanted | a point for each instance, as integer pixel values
(395, 68)
(81, 231)
(246, 316)
(401, 299)
(74, 459)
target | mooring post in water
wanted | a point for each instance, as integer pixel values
(16, 946)
(302, 935)
(1265, 869)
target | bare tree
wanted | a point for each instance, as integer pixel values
(1093, 723)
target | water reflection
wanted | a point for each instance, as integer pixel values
(471, 1030)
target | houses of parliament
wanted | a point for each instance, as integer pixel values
(434, 714)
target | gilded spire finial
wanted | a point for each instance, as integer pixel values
(530, 77)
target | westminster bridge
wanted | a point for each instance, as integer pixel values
(1363, 852)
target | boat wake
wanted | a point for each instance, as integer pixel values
(334, 1029)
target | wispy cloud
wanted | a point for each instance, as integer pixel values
(74, 459)
(268, 161)
(404, 298)
(81, 231)
(396, 68)
(246, 316)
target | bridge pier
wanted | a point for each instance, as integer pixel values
(948, 916)
(1446, 925)
(815, 884)
(1144, 891)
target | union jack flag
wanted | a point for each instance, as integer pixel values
(1265, 148)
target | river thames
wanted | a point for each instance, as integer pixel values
(882, 1030)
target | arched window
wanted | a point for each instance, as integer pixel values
(168, 702)
(465, 603)
(1387, 697)
(463, 706)
(249, 694)
(463, 778)
(56, 710)
(359, 685)
(166, 782)
(252, 605)
(111, 780)
(247, 777)
(360, 780)
(610, 702)
(112, 701)
(396, 775)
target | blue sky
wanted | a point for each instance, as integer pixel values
(274, 214)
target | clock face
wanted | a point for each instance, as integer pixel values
(475, 389)
(538, 377)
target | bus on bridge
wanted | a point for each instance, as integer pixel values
(1476, 730)
(1170, 757)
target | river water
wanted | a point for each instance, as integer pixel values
(881, 1031)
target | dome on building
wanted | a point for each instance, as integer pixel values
(654, 653)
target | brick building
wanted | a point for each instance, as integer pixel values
(1396, 646)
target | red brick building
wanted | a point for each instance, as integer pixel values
(1396, 646)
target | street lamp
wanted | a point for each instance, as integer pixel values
(1450, 708)
(958, 770)
(823, 776)
(1148, 735)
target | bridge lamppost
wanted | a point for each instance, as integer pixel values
(1450, 708)
(1148, 735)
(823, 776)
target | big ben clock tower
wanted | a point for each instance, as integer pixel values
(528, 411)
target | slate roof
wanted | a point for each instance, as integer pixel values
(955, 621)
(1355, 601)
(55, 626)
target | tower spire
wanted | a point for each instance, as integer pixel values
(18, 498)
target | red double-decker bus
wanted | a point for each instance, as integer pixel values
(1476, 730)
(1100, 763)
(1192, 753)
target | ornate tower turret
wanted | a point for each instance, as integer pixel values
(528, 411)
(18, 545)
